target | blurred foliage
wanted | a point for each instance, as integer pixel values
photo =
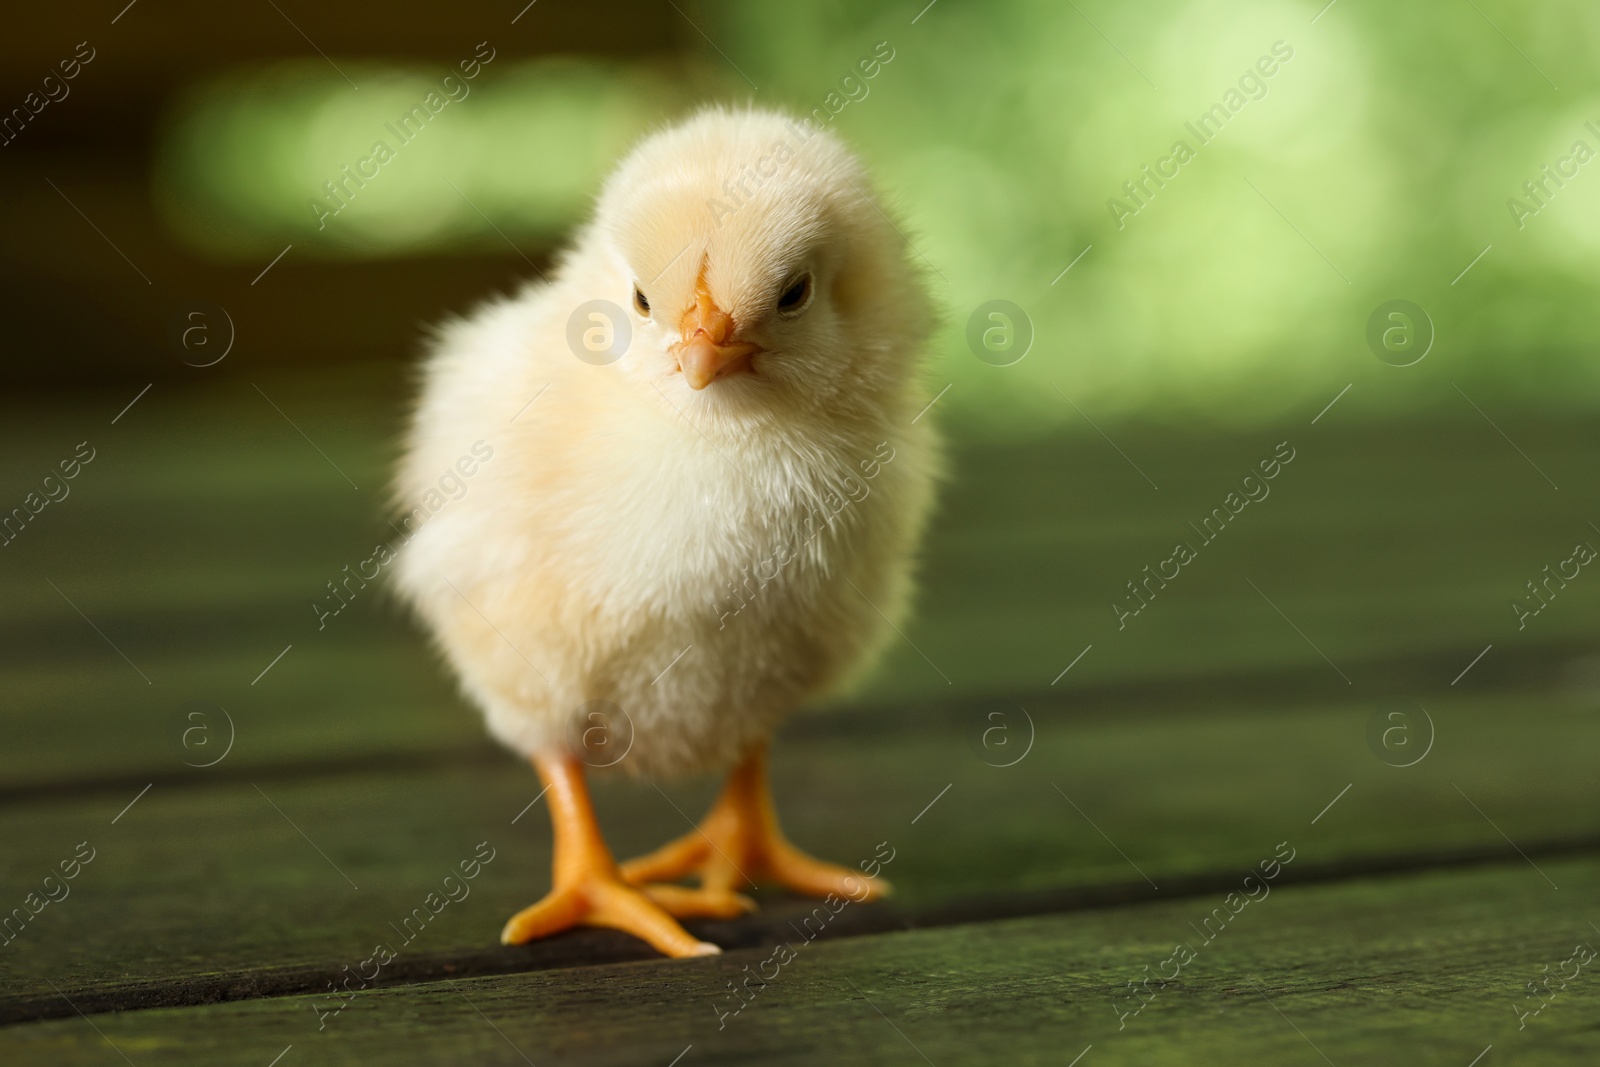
(248, 159)
(1372, 165)
(1391, 142)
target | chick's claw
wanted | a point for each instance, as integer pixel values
(609, 903)
(676, 859)
(739, 843)
(560, 910)
(763, 859)
(790, 867)
(704, 903)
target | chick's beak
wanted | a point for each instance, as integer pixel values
(709, 349)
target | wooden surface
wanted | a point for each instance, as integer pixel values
(1425, 969)
(1231, 715)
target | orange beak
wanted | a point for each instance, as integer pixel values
(709, 350)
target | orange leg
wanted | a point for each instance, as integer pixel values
(587, 888)
(739, 844)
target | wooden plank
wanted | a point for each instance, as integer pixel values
(1421, 969)
(251, 878)
(1376, 541)
(205, 527)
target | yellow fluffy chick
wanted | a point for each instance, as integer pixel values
(706, 482)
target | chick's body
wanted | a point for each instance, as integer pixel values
(704, 557)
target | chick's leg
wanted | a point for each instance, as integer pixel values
(739, 844)
(587, 889)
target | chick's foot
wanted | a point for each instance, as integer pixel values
(739, 844)
(704, 903)
(588, 889)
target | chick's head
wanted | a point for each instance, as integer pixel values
(759, 274)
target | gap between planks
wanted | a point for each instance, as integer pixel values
(587, 948)
(1242, 693)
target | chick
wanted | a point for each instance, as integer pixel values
(700, 534)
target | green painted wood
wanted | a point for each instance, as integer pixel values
(205, 526)
(1418, 970)
(1182, 741)
(208, 880)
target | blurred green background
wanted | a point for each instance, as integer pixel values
(1353, 155)
(1376, 162)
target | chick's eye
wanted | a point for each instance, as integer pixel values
(640, 303)
(796, 296)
